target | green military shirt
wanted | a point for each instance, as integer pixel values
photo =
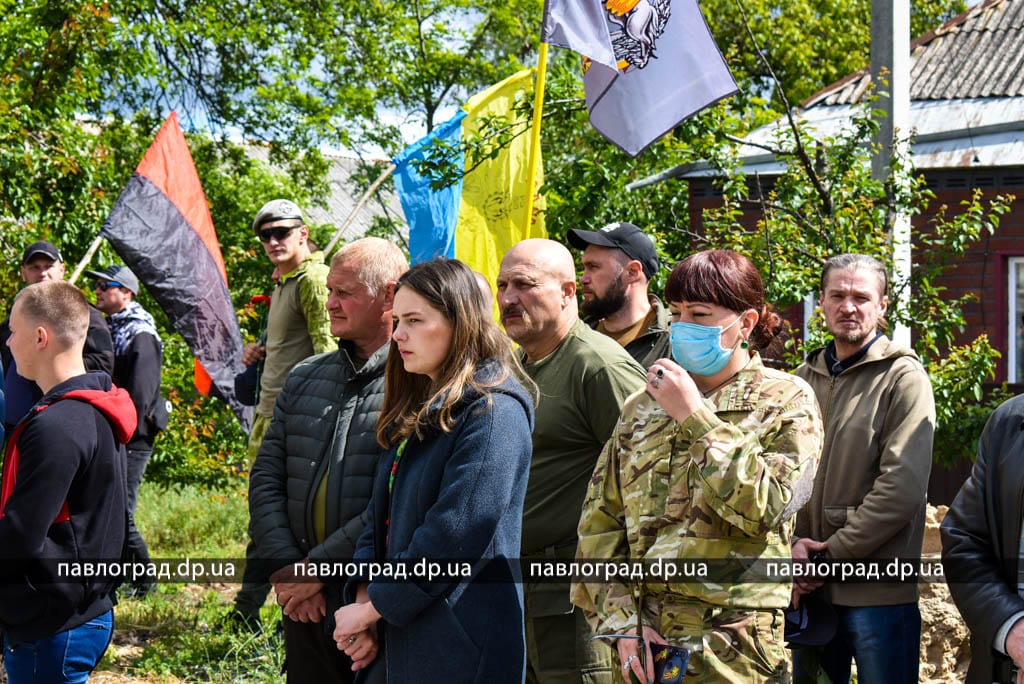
(297, 326)
(719, 485)
(582, 384)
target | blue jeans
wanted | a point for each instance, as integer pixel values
(885, 641)
(65, 658)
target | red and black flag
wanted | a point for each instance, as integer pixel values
(161, 227)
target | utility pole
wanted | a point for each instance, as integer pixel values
(890, 74)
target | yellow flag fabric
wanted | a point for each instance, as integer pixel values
(492, 212)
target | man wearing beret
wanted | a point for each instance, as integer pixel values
(298, 326)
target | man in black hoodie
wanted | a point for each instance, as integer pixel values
(63, 503)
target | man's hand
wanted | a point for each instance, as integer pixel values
(293, 589)
(312, 609)
(252, 353)
(1015, 647)
(801, 551)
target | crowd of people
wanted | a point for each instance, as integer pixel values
(397, 422)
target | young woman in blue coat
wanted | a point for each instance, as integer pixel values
(449, 491)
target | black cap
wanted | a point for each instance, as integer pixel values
(813, 623)
(276, 210)
(118, 273)
(624, 236)
(41, 247)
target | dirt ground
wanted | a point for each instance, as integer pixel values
(945, 641)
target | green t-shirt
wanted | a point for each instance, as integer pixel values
(583, 385)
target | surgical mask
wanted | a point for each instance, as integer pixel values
(698, 348)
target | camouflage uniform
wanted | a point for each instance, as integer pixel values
(719, 485)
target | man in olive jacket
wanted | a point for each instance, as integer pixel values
(869, 496)
(312, 478)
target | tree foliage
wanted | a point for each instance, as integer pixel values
(84, 85)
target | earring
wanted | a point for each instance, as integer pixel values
(744, 344)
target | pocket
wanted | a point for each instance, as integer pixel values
(86, 644)
(746, 644)
(835, 517)
(548, 600)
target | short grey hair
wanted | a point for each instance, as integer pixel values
(380, 262)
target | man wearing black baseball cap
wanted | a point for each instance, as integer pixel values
(42, 261)
(619, 262)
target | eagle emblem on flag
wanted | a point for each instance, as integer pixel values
(641, 23)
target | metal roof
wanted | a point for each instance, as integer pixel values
(342, 198)
(967, 99)
(978, 54)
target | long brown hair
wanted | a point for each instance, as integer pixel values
(730, 280)
(413, 402)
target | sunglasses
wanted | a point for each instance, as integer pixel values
(278, 234)
(103, 287)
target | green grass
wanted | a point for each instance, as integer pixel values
(176, 634)
(192, 523)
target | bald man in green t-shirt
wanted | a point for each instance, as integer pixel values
(584, 378)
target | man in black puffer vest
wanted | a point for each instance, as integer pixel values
(312, 478)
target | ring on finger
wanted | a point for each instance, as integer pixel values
(629, 661)
(660, 373)
(654, 382)
(352, 639)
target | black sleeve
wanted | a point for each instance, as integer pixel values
(5, 351)
(99, 348)
(141, 378)
(971, 547)
(269, 523)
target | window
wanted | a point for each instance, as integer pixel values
(1015, 334)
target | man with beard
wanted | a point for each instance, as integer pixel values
(868, 501)
(583, 379)
(619, 262)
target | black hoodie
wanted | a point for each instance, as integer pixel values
(63, 499)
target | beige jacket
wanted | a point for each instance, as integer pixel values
(871, 485)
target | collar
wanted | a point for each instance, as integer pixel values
(835, 366)
(313, 258)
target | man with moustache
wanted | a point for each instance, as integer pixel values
(869, 496)
(583, 378)
(619, 262)
(312, 479)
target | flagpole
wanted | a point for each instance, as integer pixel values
(538, 110)
(359, 205)
(87, 258)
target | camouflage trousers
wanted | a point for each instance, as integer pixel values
(727, 644)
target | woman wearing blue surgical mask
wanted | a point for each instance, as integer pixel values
(706, 469)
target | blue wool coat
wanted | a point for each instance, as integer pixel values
(458, 496)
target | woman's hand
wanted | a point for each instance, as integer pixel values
(630, 659)
(362, 648)
(355, 630)
(673, 389)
